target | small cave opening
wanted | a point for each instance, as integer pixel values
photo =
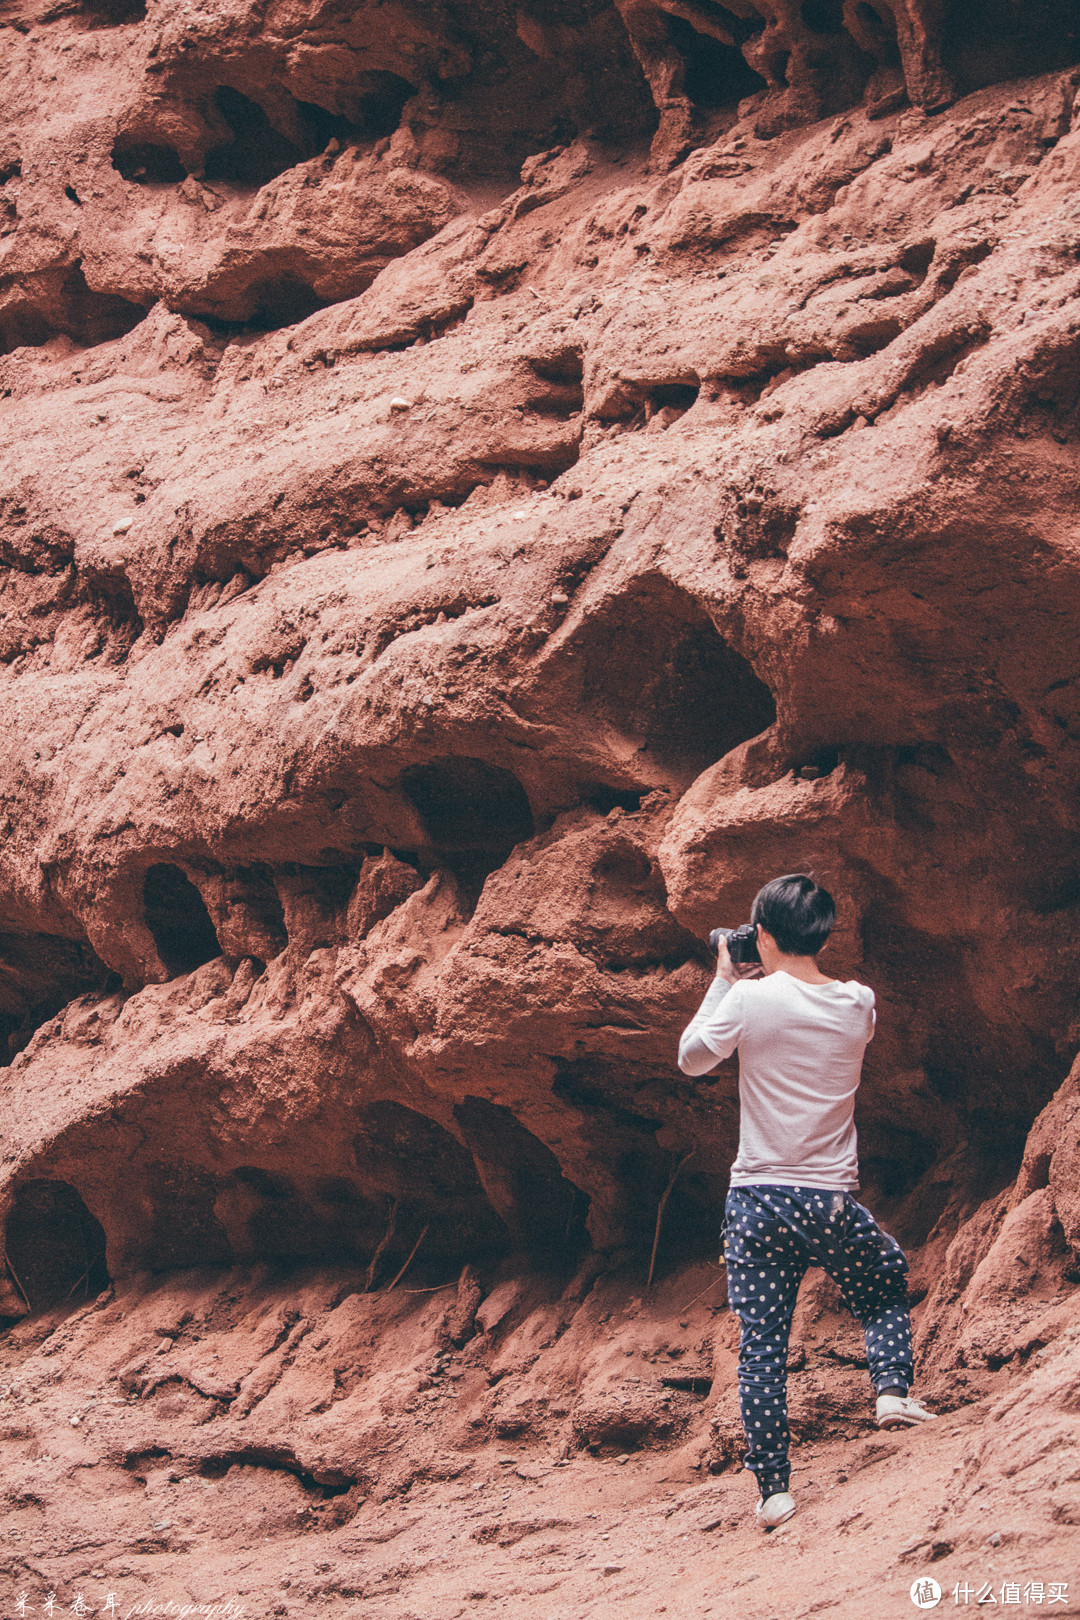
(281, 301)
(1054, 887)
(257, 152)
(380, 99)
(474, 814)
(822, 762)
(622, 1104)
(96, 317)
(178, 920)
(899, 1182)
(693, 1214)
(874, 30)
(55, 1248)
(336, 1221)
(184, 1230)
(548, 1212)
(114, 13)
(993, 1078)
(267, 1183)
(113, 598)
(777, 65)
(543, 76)
(332, 1483)
(392, 1139)
(894, 1158)
(654, 666)
(11, 1032)
(823, 16)
(601, 796)
(146, 163)
(412, 1193)
(319, 127)
(673, 398)
(716, 75)
(39, 975)
(71, 309)
(254, 920)
(404, 1155)
(986, 41)
(637, 403)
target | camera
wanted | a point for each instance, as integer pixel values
(741, 943)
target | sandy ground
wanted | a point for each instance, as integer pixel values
(99, 1512)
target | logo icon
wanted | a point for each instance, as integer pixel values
(925, 1593)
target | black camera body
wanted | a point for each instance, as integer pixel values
(741, 943)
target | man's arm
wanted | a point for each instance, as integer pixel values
(725, 1026)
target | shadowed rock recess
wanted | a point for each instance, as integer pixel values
(480, 491)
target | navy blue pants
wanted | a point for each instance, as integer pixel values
(772, 1235)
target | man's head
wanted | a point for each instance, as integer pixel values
(796, 912)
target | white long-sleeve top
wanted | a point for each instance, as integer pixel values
(800, 1061)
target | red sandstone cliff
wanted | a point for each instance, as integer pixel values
(480, 490)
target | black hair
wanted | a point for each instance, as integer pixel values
(796, 912)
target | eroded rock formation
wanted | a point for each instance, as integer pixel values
(479, 492)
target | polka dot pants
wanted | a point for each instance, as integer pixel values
(772, 1235)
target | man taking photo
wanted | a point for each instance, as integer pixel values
(800, 1037)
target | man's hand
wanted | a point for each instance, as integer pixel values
(725, 967)
(732, 971)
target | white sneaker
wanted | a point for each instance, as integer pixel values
(775, 1510)
(901, 1412)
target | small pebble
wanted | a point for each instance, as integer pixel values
(559, 598)
(625, 1458)
(400, 404)
(122, 526)
(612, 1569)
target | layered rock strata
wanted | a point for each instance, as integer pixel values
(478, 495)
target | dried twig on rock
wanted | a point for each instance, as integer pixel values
(665, 1195)
(15, 1279)
(77, 1282)
(412, 1257)
(384, 1243)
(704, 1291)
